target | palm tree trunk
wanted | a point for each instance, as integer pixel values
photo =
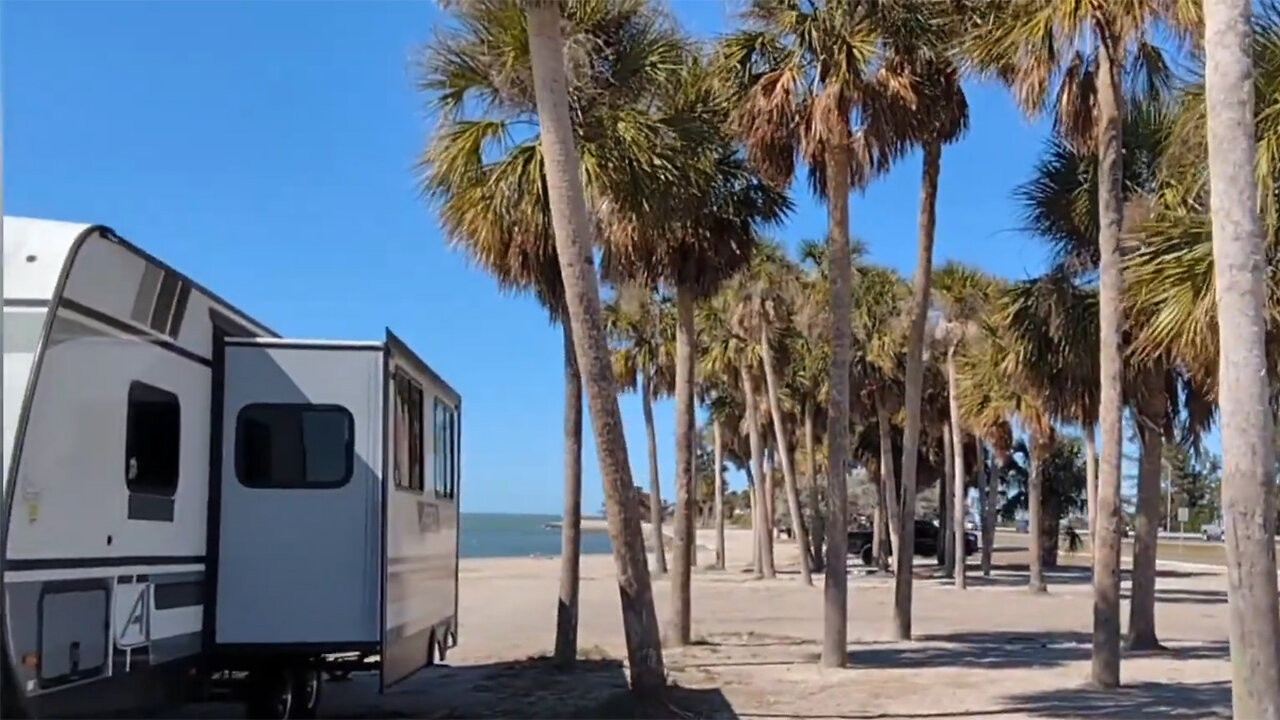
(1240, 274)
(719, 451)
(1091, 479)
(957, 444)
(879, 518)
(770, 492)
(946, 540)
(1105, 671)
(835, 585)
(1035, 511)
(682, 555)
(757, 560)
(999, 459)
(888, 476)
(566, 651)
(655, 488)
(986, 478)
(914, 387)
(788, 474)
(573, 233)
(815, 501)
(1142, 603)
(764, 534)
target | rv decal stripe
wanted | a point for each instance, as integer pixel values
(26, 302)
(19, 564)
(134, 331)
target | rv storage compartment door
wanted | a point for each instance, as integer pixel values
(299, 547)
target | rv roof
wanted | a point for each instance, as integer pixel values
(34, 253)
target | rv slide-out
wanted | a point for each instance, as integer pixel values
(195, 507)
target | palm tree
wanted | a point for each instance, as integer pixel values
(810, 351)
(1073, 59)
(1248, 498)
(643, 327)
(963, 294)
(729, 359)
(504, 66)
(990, 402)
(766, 289)
(940, 118)
(804, 72)
(743, 317)
(880, 298)
(1060, 206)
(1048, 322)
(692, 241)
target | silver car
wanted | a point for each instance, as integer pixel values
(1212, 532)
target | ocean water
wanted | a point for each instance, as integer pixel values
(502, 535)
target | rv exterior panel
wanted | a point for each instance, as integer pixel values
(424, 453)
(300, 547)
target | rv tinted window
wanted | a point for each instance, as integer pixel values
(153, 434)
(445, 468)
(294, 446)
(408, 433)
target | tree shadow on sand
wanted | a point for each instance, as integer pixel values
(1016, 574)
(1139, 700)
(532, 688)
(1001, 649)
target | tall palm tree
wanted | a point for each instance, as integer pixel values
(643, 329)
(1073, 58)
(731, 359)
(1049, 322)
(990, 402)
(810, 351)
(1248, 496)
(692, 241)
(940, 118)
(1060, 206)
(504, 66)
(963, 294)
(743, 295)
(878, 327)
(805, 71)
(768, 284)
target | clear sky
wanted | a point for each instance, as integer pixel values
(267, 149)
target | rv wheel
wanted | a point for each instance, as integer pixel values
(306, 693)
(271, 695)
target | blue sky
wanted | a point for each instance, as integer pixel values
(267, 149)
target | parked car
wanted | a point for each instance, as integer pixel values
(1213, 532)
(860, 542)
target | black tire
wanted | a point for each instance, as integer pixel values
(867, 555)
(270, 695)
(307, 684)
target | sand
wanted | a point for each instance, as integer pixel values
(991, 651)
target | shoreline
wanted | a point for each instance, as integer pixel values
(591, 525)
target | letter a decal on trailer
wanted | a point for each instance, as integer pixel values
(133, 625)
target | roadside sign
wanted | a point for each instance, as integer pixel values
(1184, 514)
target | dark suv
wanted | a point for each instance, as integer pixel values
(926, 545)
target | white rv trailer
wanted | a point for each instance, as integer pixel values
(192, 502)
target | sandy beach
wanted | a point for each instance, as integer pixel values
(992, 651)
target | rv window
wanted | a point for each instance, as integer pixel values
(445, 469)
(455, 453)
(153, 433)
(408, 434)
(294, 446)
